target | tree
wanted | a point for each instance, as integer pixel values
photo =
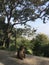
(42, 38)
(2, 30)
(22, 11)
(39, 42)
(22, 32)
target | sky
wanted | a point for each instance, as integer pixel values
(39, 25)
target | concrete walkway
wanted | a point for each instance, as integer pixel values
(6, 59)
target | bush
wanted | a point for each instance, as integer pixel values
(37, 49)
(46, 50)
(2, 48)
(12, 48)
(29, 51)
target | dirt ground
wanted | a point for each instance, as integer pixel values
(6, 58)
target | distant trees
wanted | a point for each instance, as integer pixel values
(40, 44)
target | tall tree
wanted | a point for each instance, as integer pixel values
(21, 11)
(38, 44)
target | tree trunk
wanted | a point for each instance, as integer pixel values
(15, 39)
(7, 43)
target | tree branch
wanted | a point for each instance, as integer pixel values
(19, 23)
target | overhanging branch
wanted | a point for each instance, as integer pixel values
(19, 23)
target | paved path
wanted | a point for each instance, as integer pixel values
(6, 59)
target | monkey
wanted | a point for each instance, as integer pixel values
(21, 53)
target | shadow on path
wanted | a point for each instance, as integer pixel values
(6, 59)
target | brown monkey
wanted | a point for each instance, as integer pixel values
(21, 52)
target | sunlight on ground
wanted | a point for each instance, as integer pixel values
(30, 61)
(1, 63)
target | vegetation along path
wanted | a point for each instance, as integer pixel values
(7, 59)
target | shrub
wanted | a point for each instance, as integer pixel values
(12, 48)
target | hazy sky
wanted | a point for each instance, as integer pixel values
(39, 25)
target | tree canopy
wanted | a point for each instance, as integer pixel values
(40, 45)
(22, 11)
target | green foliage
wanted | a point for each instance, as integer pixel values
(2, 48)
(26, 10)
(40, 45)
(29, 51)
(38, 2)
(42, 39)
(23, 41)
(21, 13)
(12, 48)
(45, 50)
